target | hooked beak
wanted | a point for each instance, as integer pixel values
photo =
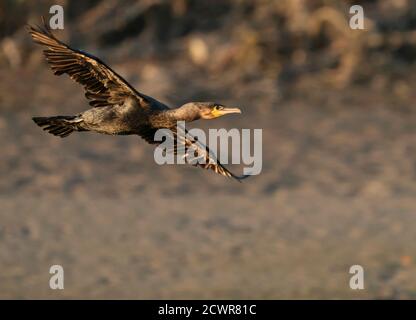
(230, 110)
(219, 113)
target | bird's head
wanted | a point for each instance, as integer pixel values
(213, 110)
(209, 110)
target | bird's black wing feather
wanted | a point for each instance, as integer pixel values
(103, 86)
(192, 150)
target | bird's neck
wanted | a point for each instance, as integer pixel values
(185, 113)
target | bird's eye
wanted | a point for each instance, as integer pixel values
(218, 107)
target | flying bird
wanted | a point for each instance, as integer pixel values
(118, 108)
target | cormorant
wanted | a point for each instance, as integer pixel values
(118, 108)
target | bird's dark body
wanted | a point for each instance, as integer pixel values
(119, 119)
(128, 118)
(117, 108)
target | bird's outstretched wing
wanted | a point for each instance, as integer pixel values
(103, 86)
(193, 150)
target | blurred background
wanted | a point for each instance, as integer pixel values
(337, 109)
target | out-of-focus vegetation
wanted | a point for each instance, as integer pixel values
(290, 41)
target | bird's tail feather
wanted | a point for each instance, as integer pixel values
(60, 126)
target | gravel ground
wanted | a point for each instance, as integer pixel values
(337, 189)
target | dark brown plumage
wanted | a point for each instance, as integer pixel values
(118, 108)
